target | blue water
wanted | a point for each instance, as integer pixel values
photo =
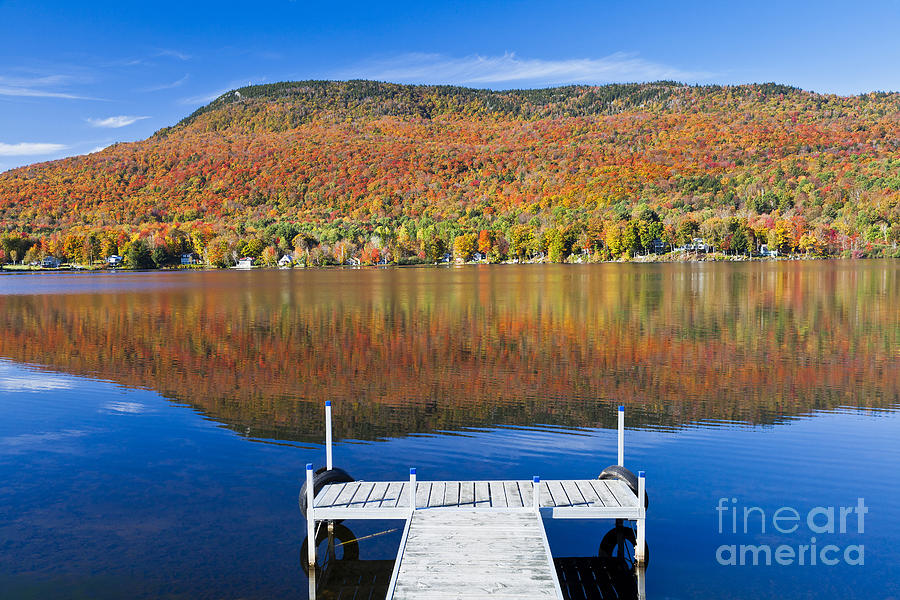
(112, 493)
(154, 427)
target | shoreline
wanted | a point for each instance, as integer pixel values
(650, 259)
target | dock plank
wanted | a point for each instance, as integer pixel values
(482, 494)
(436, 498)
(423, 491)
(557, 493)
(377, 494)
(328, 494)
(566, 498)
(513, 496)
(396, 492)
(624, 495)
(497, 494)
(574, 494)
(603, 491)
(467, 494)
(451, 493)
(346, 494)
(589, 493)
(475, 554)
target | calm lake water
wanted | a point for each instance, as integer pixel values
(156, 425)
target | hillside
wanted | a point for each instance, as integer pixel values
(331, 170)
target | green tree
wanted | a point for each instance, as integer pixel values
(138, 255)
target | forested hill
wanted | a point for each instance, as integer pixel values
(327, 171)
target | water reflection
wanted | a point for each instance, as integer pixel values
(402, 351)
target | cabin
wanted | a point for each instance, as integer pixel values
(189, 258)
(658, 246)
(114, 260)
(696, 245)
(353, 261)
(245, 262)
(285, 261)
(764, 251)
(478, 256)
(50, 262)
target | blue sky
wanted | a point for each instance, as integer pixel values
(77, 76)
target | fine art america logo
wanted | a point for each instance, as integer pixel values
(823, 525)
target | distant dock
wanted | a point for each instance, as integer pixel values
(473, 539)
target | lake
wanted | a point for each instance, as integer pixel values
(156, 425)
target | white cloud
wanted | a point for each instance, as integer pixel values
(98, 148)
(36, 87)
(33, 382)
(33, 93)
(115, 122)
(508, 68)
(131, 408)
(29, 149)
(50, 441)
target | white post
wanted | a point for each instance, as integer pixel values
(328, 463)
(621, 436)
(536, 493)
(641, 541)
(412, 489)
(310, 518)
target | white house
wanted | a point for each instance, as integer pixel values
(188, 258)
(245, 263)
(285, 261)
(50, 262)
(114, 260)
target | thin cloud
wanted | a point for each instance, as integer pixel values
(509, 68)
(99, 149)
(37, 87)
(173, 54)
(203, 98)
(29, 149)
(33, 93)
(167, 86)
(115, 122)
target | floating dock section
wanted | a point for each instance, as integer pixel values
(476, 539)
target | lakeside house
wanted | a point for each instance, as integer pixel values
(478, 256)
(696, 245)
(353, 261)
(114, 260)
(658, 246)
(285, 261)
(189, 258)
(764, 251)
(50, 262)
(245, 263)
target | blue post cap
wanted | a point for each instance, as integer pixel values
(412, 470)
(536, 479)
(309, 466)
(328, 403)
(641, 474)
(621, 407)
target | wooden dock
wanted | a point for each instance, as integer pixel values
(475, 539)
(590, 498)
(472, 553)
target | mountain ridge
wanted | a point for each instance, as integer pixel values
(410, 171)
